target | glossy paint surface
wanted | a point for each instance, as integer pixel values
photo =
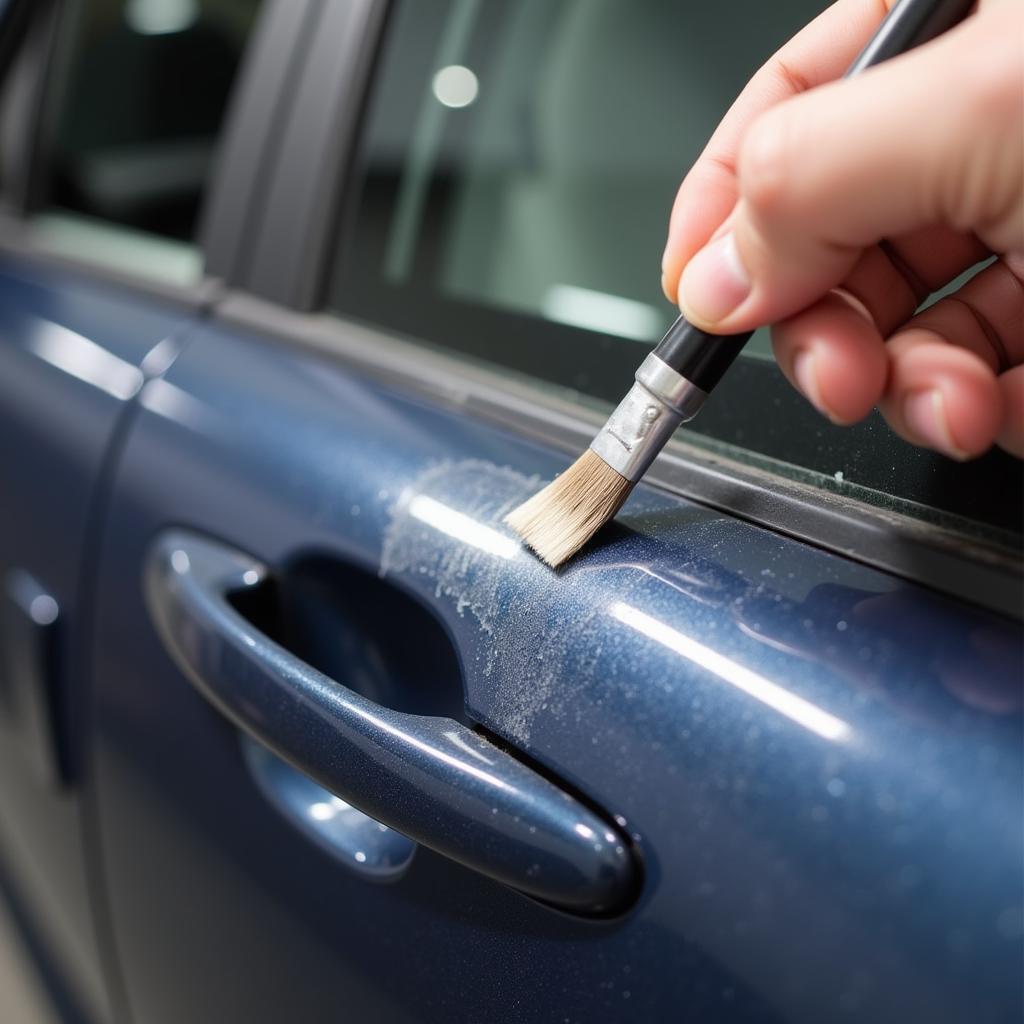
(354, 839)
(819, 764)
(71, 355)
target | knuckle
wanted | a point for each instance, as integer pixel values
(977, 180)
(764, 164)
(793, 80)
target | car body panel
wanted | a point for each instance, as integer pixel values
(70, 358)
(819, 763)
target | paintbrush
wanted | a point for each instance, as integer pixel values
(674, 381)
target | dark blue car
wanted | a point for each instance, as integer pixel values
(297, 299)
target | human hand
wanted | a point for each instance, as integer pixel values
(833, 208)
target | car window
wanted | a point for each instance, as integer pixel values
(514, 179)
(139, 91)
(12, 84)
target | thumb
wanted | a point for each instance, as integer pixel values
(932, 137)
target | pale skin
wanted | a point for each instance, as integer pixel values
(831, 208)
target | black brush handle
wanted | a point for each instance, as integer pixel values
(702, 358)
(910, 23)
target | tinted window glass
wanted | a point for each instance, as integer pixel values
(141, 89)
(515, 176)
(12, 89)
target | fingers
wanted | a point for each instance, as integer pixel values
(1011, 383)
(835, 355)
(834, 351)
(832, 171)
(1011, 434)
(788, 202)
(941, 396)
(930, 258)
(951, 379)
(954, 380)
(819, 53)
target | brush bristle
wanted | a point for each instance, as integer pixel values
(557, 521)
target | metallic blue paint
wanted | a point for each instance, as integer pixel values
(365, 846)
(28, 650)
(420, 775)
(820, 763)
(71, 358)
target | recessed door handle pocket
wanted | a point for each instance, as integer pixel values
(430, 778)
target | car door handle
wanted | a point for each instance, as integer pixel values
(430, 778)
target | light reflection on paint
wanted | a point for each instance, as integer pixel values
(461, 743)
(43, 610)
(159, 358)
(78, 356)
(431, 749)
(797, 709)
(325, 810)
(458, 525)
(174, 403)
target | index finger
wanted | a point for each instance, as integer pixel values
(819, 53)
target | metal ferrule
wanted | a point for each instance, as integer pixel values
(646, 418)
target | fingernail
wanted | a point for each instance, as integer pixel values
(805, 370)
(664, 288)
(924, 413)
(715, 282)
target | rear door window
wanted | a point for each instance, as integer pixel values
(138, 93)
(514, 180)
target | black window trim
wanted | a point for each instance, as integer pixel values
(15, 19)
(316, 150)
(263, 98)
(29, 43)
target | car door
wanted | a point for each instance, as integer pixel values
(358, 756)
(76, 346)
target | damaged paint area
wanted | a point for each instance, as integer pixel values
(525, 621)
